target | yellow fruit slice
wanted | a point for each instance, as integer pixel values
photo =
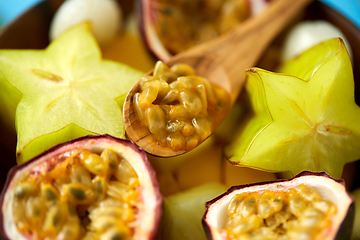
(305, 118)
(183, 212)
(67, 90)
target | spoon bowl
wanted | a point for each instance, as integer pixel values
(222, 61)
(140, 134)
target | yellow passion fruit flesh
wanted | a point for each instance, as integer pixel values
(170, 27)
(93, 187)
(308, 206)
(179, 109)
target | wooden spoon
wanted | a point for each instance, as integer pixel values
(222, 61)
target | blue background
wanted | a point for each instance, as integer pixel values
(10, 9)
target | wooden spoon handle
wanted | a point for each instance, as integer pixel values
(242, 47)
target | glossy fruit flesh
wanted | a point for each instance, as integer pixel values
(293, 213)
(71, 185)
(179, 108)
(182, 24)
(170, 27)
(90, 192)
(309, 206)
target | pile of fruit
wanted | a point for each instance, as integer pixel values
(79, 176)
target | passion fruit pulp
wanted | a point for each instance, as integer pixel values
(93, 187)
(170, 27)
(308, 206)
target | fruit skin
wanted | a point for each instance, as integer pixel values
(343, 228)
(151, 195)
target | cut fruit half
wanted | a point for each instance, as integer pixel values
(170, 27)
(308, 206)
(93, 187)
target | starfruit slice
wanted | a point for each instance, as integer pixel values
(63, 92)
(305, 118)
(182, 213)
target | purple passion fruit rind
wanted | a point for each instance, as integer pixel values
(148, 200)
(330, 189)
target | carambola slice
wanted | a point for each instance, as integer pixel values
(66, 91)
(305, 118)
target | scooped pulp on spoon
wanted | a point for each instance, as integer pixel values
(179, 108)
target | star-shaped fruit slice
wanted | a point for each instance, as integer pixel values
(62, 92)
(304, 118)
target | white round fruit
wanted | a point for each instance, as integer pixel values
(104, 15)
(307, 34)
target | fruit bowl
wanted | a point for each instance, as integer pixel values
(31, 31)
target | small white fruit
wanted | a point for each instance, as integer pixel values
(307, 34)
(104, 15)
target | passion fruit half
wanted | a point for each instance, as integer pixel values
(308, 206)
(93, 187)
(169, 27)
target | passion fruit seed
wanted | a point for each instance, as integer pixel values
(179, 108)
(49, 192)
(25, 189)
(296, 213)
(98, 201)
